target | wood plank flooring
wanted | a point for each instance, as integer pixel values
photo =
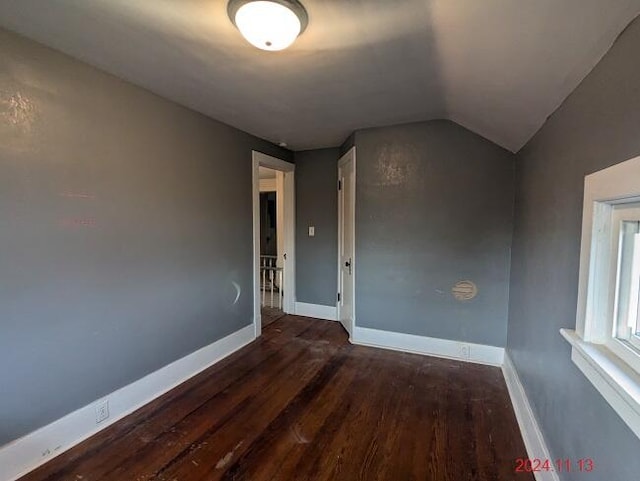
(270, 315)
(301, 403)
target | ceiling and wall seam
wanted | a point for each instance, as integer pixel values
(498, 68)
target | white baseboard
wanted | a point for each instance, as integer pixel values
(27, 453)
(329, 313)
(463, 351)
(531, 433)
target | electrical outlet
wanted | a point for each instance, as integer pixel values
(465, 351)
(102, 410)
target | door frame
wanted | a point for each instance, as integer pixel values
(349, 155)
(276, 185)
(288, 169)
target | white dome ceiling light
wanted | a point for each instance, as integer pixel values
(268, 24)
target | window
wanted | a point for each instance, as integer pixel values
(606, 341)
(625, 329)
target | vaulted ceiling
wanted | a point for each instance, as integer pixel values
(497, 67)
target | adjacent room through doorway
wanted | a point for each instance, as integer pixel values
(273, 239)
(271, 248)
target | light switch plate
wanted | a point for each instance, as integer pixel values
(312, 231)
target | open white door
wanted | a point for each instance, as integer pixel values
(346, 239)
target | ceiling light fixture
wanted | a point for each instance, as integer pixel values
(268, 24)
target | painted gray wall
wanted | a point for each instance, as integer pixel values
(166, 194)
(434, 205)
(317, 205)
(596, 127)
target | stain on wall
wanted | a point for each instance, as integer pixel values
(434, 206)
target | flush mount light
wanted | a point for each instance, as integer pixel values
(268, 24)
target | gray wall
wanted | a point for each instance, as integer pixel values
(597, 126)
(434, 206)
(124, 219)
(317, 205)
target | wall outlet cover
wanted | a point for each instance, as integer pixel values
(102, 410)
(465, 351)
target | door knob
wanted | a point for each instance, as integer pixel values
(348, 264)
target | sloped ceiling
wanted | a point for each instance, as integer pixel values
(497, 67)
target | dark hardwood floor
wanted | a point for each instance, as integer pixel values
(270, 315)
(301, 403)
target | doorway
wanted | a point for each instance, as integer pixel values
(346, 240)
(273, 238)
(271, 245)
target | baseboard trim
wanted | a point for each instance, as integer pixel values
(477, 353)
(329, 313)
(27, 453)
(529, 427)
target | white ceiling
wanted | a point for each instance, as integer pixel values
(497, 67)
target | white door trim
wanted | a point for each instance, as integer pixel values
(280, 223)
(264, 160)
(268, 185)
(350, 155)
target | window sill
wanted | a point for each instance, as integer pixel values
(614, 379)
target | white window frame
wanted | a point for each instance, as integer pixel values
(611, 364)
(634, 301)
(623, 343)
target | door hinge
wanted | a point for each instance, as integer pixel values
(339, 185)
(338, 297)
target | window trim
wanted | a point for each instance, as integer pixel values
(619, 216)
(625, 351)
(614, 379)
(625, 346)
(610, 364)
